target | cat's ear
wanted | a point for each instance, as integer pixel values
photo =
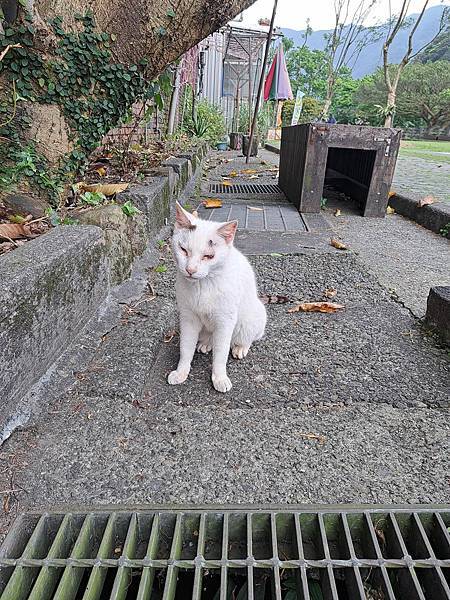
(183, 219)
(228, 230)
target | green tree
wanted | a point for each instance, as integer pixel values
(308, 71)
(423, 96)
(425, 93)
(439, 49)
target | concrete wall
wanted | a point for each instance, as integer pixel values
(51, 286)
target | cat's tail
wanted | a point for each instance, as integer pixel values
(274, 299)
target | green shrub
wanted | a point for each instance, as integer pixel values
(263, 123)
(208, 124)
(311, 109)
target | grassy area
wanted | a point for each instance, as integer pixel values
(426, 145)
(427, 149)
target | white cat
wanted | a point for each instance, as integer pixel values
(216, 295)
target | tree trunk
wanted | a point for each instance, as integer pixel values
(390, 108)
(155, 31)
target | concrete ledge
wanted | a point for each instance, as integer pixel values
(53, 285)
(435, 217)
(50, 286)
(271, 148)
(153, 200)
(125, 238)
(438, 311)
(182, 166)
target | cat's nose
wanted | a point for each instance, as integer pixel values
(191, 270)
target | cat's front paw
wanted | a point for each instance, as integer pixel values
(221, 384)
(176, 377)
(239, 351)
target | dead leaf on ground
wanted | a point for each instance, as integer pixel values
(226, 183)
(7, 246)
(427, 200)
(233, 174)
(390, 210)
(380, 533)
(13, 231)
(337, 244)
(6, 501)
(337, 212)
(212, 203)
(314, 436)
(324, 307)
(109, 189)
(249, 171)
(101, 171)
(392, 193)
(169, 336)
(254, 208)
(330, 292)
(253, 177)
(274, 299)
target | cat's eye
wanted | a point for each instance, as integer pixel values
(184, 250)
(208, 256)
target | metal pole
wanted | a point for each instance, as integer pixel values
(174, 101)
(261, 81)
(250, 91)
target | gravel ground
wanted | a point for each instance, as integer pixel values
(347, 407)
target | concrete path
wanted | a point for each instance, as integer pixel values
(417, 177)
(347, 407)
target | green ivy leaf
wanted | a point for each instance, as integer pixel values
(171, 13)
(161, 269)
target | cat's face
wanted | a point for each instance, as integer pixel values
(200, 247)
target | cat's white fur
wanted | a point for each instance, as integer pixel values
(216, 294)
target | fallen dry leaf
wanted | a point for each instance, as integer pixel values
(274, 299)
(427, 200)
(253, 177)
(169, 336)
(109, 189)
(249, 171)
(337, 244)
(101, 171)
(337, 212)
(391, 193)
(212, 203)
(314, 436)
(13, 231)
(226, 183)
(390, 210)
(324, 307)
(233, 174)
(254, 208)
(7, 246)
(330, 292)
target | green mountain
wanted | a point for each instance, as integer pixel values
(371, 56)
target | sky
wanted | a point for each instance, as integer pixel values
(293, 13)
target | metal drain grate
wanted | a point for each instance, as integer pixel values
(217, 554)
(245, 188)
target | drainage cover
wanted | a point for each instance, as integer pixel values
(233, 553)
(245, 188)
